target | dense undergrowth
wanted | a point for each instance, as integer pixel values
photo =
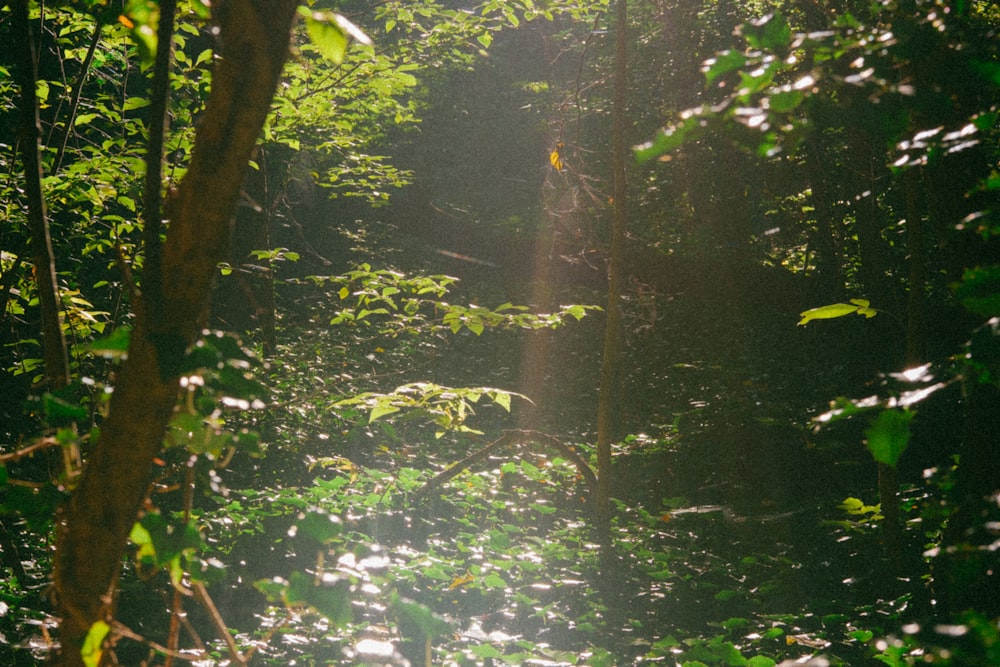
(741, 535)
(340, 541)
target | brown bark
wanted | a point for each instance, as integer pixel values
(53, 341)
(612, 330)
(93, 527)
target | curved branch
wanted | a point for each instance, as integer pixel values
(516, 437)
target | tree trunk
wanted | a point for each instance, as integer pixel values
(612, 330)
(92, 529)
(53, 341)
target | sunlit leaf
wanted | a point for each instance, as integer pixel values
(834, 310)
(725, 62)
(92, 650)
(332, 33)
(889, 435)
(486, 651)
(319, 525)
(431, 625)
(381, 410)
(331, 597)
(494, 580)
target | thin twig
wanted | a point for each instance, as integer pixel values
(77, 92)
(201, 594)
(122, 630)
(24, 452)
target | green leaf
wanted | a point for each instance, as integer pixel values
(725, 62)
(771, 33)
(889, 435)
(135, 103)
(431, 625)
(502, 399)
(331, 597)
(671, 138)
(486, 651)
(320, 525)
(59, 411)
(92, 650)
(381, 410)
(332, 33)
(786, 101)
(494, 580)
(113, 346)
(834, 310)
(979, 291)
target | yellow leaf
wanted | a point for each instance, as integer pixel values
(556, 160)
(93, 645)
(461, 581)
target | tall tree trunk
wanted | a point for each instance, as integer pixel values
(612, 331)
(826, 240)
(92, 529)
(53, 340)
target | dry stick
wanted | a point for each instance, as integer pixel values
(518, 437)
(77, 92)
(41, 443)
(122, 630)
(177, 604)
(201, 594)
(611, 354)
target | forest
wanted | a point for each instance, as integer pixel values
(500, 332)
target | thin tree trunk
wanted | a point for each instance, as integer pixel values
(92, 529)
(152, 194)
(53, 340)
(612, 331)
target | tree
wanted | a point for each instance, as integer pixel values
(95, 524)
(611, 355)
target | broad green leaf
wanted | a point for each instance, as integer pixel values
(59, 411)
(494, 580)
(502, 399)
(725, 62)
(431, 625)
(786, 101)
(690, 128)
(135, 103)
(381, 410)
(320, 525)
(834, 310)
(889, 435)
(331, 597)
(332, 33)
(979, 291)
(771, 33)
(486, 651)
(112, 346)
